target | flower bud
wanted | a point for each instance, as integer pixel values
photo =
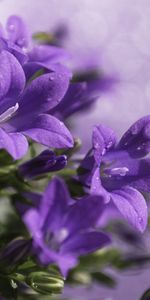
(14, 252)
(45, 283)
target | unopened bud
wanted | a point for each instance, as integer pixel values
(45, 283)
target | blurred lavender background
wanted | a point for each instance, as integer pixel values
(115, 35)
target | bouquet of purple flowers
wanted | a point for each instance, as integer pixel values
(64, 211)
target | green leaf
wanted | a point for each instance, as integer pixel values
(44, 37)
(104, 279)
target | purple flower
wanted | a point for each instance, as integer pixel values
(17, 40)
(46, 162)
(82, 95)
(62, 231)
(23, 111)
(120, 172)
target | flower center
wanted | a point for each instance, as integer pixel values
(9, 113)
(53, 240)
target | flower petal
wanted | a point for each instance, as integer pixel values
(15, 143)
(49, 131)
(17, 31)
(136, 139)
(97, 187)
(103, 139)
(48, 55)
(54, 204)
(66, 262)
(132, 206)
(84, 243)
(91, 207)
(74, 99)
(43, 93)
(12, 79)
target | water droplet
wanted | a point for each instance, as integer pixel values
(25, 50)
(104, 151)
(109, 144)
(21, 41)
(11, 27)
(140, 219)
(96, 146)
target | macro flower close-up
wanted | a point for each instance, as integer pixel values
(74, 150)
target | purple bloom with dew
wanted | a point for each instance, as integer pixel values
(120, 172)
(45, 162)
(81, 95)
(61, 229)
(23, 109)
(17, 40)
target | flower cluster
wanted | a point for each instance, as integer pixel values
(57, 199)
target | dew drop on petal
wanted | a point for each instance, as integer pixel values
(140, 219)
(11, 27)
(96, 145)
(104, 151)
(109, 145)
(21, 41)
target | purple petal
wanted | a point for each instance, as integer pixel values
(137, 138)
(48, 55)
(17, 31)
(66, 262)
(84, 243)
(18, 52)
(33, 222)
(91, 207)
(47, 130)
(74, 99)
(12, 79)
(54, 204)
(15, 143)
(132, 206)
(103, 139)
(97, 187)
(44, 92)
